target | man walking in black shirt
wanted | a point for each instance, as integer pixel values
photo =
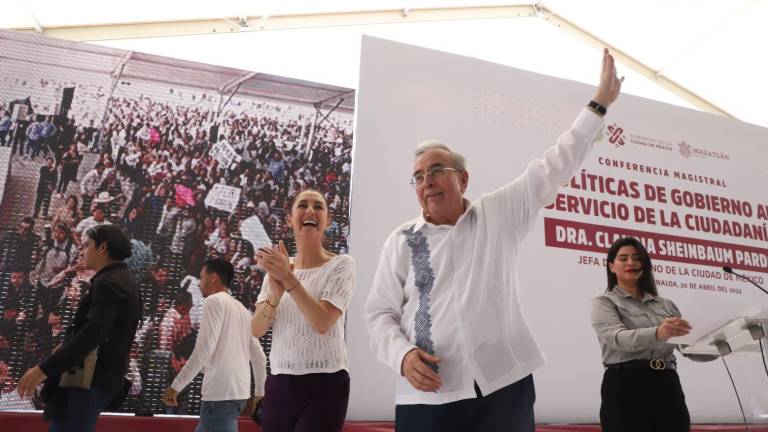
(19, 248)
(45, 186)
(105, 323)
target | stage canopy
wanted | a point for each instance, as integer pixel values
(704, 54)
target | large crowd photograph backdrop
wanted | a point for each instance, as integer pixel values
(192, 160)
(690, 185)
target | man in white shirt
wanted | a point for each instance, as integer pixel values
(89, 184)
(224, 347)
(443, 311)
(98, 217)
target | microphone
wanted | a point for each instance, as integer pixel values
(730, 270)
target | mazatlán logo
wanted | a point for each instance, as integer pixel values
(615, 135)
(687, 151)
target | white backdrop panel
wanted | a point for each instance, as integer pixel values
(500, 118)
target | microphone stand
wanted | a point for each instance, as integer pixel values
(758, 333)
(730, 270)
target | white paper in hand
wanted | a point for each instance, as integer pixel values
(252, 230)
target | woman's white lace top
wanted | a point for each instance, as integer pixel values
(297, 348)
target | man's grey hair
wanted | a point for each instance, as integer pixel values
(459, 162)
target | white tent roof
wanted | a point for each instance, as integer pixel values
(709, 48)
(106, 60)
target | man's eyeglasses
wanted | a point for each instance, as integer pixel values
(436, 173)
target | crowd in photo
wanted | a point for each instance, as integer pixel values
(152, 166)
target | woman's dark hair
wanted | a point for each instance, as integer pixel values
(72, 197)
(118, 243)
(247, 248)
(183, 298)
(295, 197)
(646, 282)
(222, 268)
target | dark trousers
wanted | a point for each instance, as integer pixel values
(64, 181)
(79, 409)
(86, 206)
(643, 400)
(33, 147)
(43, 200)
(304, 403)
(17, 143)
(507, 409)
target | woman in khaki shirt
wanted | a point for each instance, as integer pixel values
(641, 389)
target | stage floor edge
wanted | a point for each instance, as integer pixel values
(33, 422)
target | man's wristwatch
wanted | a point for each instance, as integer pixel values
(597, 108)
